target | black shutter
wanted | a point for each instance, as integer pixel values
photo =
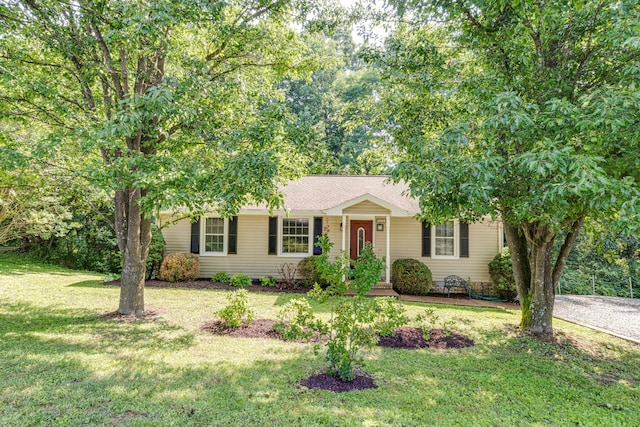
(232, 242)
(273, 235)
(426, 239)
(195, 237)
(464, 240)
(317, 232)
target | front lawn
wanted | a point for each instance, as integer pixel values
(63, 363)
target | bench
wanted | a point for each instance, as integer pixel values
(453, 282)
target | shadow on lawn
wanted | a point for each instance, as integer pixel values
(72, 367)
(90, 284)
(26, 325)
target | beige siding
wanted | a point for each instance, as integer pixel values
(252, 257)
(406, 242)
(177, 236)
(366, 208)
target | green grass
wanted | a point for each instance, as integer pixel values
(62, 364)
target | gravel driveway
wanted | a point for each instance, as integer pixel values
(617, 316)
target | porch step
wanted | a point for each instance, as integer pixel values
(377, 292)
(382, 285)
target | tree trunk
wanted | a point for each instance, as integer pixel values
(536, 274)
(542, 289)
(134, 237)
(519, 252)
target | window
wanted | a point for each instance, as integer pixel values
(444, 239)
(361, 240)
(295, 235)
(214, 232)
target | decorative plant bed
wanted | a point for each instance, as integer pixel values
(408, 337)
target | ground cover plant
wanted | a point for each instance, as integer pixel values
(65, 363)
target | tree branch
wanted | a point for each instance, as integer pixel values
(561, 261)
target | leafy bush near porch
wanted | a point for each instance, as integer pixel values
(410, 277)
(179, 268)
(221, 277)
(268, 281)
(501, 273)
(240, 280)
(309, 274)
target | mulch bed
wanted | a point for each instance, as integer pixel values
(208, 284)
(259, 328)
(328, 382)
(408, 337)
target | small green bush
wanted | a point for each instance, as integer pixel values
(501, 273)
(410, 277)
(390, 314)
(179, 268)
(237, 311)
(268, 281)
(309, 274)
(296, 321)
(240, 280)
(221, 277)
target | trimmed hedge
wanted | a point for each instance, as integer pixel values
(179, 268)
(410, 277)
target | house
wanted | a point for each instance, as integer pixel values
(353, 210)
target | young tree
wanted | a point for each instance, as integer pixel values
(522, 110)
(168, 103)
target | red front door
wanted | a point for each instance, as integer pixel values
(361, 232)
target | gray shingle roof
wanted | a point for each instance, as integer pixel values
(323, 192)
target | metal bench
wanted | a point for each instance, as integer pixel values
(452, 282)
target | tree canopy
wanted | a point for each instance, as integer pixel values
(522, 110)
(168, 103)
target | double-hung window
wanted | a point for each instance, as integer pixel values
(445, 237)
(295, 234)
(214, 236)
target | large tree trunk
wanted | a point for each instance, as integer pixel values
(535, 272)
(542, 289)
(519, 251)
(134, 237)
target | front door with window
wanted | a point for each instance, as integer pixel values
(361, 232)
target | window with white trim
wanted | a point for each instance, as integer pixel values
(445, 237)
(295, 236)
(214, 235)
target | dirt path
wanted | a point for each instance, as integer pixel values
(616, 316)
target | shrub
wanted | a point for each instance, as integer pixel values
(410, 277)
(269, 281)
(240, 280)
(156, 248)
(501, 273)
(390, 314)
(353, 321)
(237, 311)
(179, 268)
(296, 321)
(309, 274)
(287, 273)
(221, 277)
